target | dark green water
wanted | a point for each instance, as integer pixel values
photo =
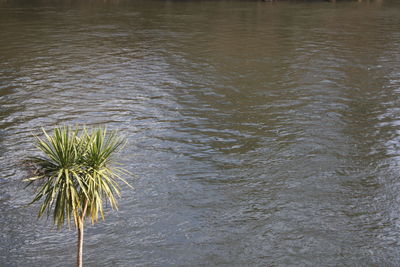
(263, 134)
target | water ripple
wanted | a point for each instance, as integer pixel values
(263, 134)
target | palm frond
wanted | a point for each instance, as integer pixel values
(76, 168)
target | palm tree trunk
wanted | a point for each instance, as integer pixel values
(80, 245)
(81, 224)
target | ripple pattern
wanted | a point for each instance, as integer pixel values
(262, 134)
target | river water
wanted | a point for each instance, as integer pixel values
(261, 134)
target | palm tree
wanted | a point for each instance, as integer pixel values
(75, 176)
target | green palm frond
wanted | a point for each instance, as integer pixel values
(102, 182)
(77, 173)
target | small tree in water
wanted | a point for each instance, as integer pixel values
(75, 176)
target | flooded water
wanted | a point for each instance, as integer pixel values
(262, 134)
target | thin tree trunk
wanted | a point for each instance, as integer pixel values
(81, 224)
(80, 245)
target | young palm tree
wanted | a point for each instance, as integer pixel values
(75, 176)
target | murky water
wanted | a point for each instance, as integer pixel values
(263, 134)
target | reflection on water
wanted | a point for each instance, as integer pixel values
(262, 133)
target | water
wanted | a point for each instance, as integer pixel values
(262, 134)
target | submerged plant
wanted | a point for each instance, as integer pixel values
(75, 176)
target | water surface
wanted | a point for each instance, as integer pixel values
(262, 134)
